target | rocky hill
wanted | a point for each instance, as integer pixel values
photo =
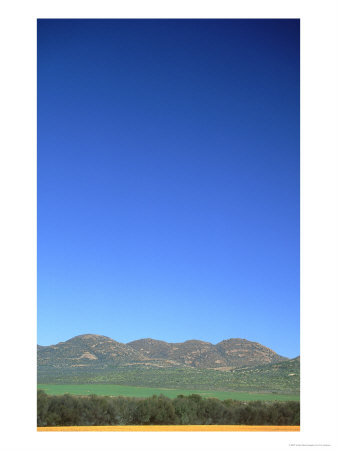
(86, 350)
(90, 350)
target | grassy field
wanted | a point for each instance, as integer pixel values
(134, 391)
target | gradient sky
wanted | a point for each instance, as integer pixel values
(168, 180)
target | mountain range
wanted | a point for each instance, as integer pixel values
(90, 350)
(232, 364)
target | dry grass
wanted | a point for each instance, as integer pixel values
(176, 428)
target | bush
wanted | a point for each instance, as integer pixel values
(69, 410)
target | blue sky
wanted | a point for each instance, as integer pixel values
(168, 180)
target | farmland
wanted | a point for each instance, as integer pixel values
(142, 392)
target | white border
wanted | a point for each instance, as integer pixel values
(18, 223)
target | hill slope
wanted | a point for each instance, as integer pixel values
(233, 364)
(282, 377)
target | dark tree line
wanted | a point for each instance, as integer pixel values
(159, 410)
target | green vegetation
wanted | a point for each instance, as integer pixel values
(277, 378)
(67, 410)
(136, 391)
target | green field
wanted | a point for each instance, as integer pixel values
(135, 391)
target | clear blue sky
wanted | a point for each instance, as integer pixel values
(168, 180)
